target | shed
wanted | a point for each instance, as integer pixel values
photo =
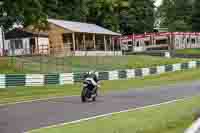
(22, 42)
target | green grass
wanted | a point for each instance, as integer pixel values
(189, 51)
(7, 65)
(79, 64)
(170, 118)
(10, 95)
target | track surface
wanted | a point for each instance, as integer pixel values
(26, 116)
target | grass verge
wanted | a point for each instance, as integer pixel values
(170, 118)
(79, 64)
(189, 51)
(11, 95)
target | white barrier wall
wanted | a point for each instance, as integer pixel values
(98, 53)
(192, 64)
(2, 81)
(113, 75)
(160, 69)
(66, 78)
(145, 71)
(11, 80)
(130, 73)
(176, 67)
(34, 80)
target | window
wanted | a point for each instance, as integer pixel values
(138, 44)
(16, 44)
(130, 43)
(188, 40)
(147, 43)
(163, 41)
(193, 40)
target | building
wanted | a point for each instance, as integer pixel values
(21, 42)
(159, 41)
(80, 39)
(62, 38)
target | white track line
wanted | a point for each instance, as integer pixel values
(36, 100)
(110, 114)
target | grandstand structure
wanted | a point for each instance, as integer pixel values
(159, 41)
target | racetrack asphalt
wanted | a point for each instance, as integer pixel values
(21, 117)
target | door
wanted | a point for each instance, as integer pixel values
(32, 45)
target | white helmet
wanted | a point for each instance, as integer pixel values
(91, 72)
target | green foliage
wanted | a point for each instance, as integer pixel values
(125, 16)
(196, 16)
(176, 15)
(117, 15)
(29, 12)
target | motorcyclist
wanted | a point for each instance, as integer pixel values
(95, 80)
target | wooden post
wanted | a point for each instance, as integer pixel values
(74, 42)
(77, 42)
(84, 41)
(105, 43)
(120, 43)
(169, 42)
(133, 41)
(111, 44)
(94, 40)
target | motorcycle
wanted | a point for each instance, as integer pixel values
(89, 90)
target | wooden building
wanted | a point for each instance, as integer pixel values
(21, 42)
(67, 38)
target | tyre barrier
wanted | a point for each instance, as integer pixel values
(13, 80)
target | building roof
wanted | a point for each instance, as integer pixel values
(21, 33)
(82, 27)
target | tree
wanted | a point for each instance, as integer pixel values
(25, 12)
(50, 7)
(101, 12)
(139, 17)
(74, 10)
(196, 17)
(178, 25)
(176, 13)
(126, 16)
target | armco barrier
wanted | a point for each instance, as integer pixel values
(12, 80)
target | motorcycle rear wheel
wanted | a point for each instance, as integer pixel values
(94, 99)
(83, 95)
